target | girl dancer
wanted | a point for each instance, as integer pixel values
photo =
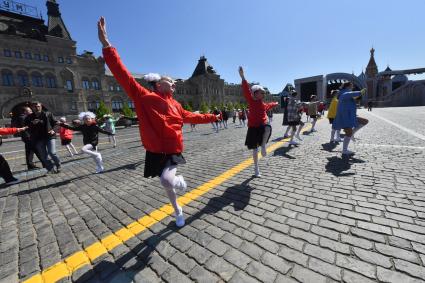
(332, 114)
(90, 131)
(312, 111)
(5, 172)
(346, 114)
(66, 138)
(109, 125)
(294, 117)
(161, 121)
(259, 131)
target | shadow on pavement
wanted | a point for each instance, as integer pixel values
(330, 146)
(283, 151)
(337, 165)
(125, 268)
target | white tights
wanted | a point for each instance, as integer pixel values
(90, 150)
(168, 181)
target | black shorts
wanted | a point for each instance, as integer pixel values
(331, 120)
(285, 120)
(156, 162)
(254, 136)
(65, 142)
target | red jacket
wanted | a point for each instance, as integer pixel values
(161, 117)
(65, 134)
(8, 131)
(257, 115)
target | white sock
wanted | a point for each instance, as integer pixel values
(345, 143)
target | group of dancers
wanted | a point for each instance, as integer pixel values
(161, 119)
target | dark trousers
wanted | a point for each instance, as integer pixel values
(41, 148)
(29, 153)
(5, 172)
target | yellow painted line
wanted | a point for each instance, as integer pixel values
(81, 258)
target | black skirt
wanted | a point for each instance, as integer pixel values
(254, 136)
(156, 162)
(66, 141)
(331, 120)
(285, 118)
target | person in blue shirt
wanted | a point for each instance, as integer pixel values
(346, 115)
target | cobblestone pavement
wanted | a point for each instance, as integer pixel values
(312, 217)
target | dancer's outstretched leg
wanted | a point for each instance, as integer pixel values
(292, 142)
(68, 147)
(300, 127)
(266, 135)
(73, 148)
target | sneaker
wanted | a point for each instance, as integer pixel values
(353, 139)
(293, 143)
(58, 169)
(332, 141)
(313, 130)
(180, 218)
(285, 136)
(180, 183)
(99, 169)
(338, 140)
(298, 137)
(263, 151)
(51, 172)
(257, 173)
(32, 167)
(12, 181)
(348, 152)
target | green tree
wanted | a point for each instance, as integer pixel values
(102, 110)
(203, 108)
(187, 107)
(230, 105)
(126, 111)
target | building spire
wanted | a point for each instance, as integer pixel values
(372, 68)
(56, 26)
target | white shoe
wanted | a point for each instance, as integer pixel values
(257, 173)
(348, 152)
(298, 137)
(180, 218)
(99, 169)
(180, 183)
(263, 151)
(13, 182)
(293, 143)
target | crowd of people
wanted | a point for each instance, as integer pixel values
(161, 118)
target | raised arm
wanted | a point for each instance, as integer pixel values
(270, 105)
(245, 87)
(112, 59)
(103, 131)
(195, 118)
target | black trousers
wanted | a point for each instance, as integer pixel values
(29, 153)
(5, 172)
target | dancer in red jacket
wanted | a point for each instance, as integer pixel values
(5, 172)
(160, 121)
(259, 131)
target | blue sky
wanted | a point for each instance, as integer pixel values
(276, 41)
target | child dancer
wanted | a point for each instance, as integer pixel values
(90, 131)
(161, 119)
(332, 114)
(109, 125)
(294, 117)
(346, 114)
(259, 131)
(66, 138)
(312, 111)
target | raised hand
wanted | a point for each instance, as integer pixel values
(241, 73)
(101, 31)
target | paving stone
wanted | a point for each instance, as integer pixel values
(306, 275)
(320, 253)
(356, 265)
(242, 277)
(386, 275)
(326, 269)
(219, 266)
(237, 258)
(293, 256)
(397, 253)
(200, 274)
(275, 262)
(372, 257)
(351, 277)
(411, 269)
(261, 272)
(334, 245)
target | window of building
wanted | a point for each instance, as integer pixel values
(50, 81)
(46, 58)
(37, 80)
(18, 54)
(116, 105)
(23, 79)
(7, 77)
(7, 53)
(131, 105)
(95, 84)
(118, 88)
(68, 60)
(60, 59)
(93, 105)
(37, 57)
(86, 84)
(111, 88)
(69, 86)
(73, 105)
(28, 55)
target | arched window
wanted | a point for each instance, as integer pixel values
(50, 81)
(95, 84)
(37, 79)
(116, 104)
(7, 77)
(86, 83)
(93, 105)
(23, 79)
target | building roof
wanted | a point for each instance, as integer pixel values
(203, 67)
(372, 68)
(22, 25)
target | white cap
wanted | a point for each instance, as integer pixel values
(254, 88)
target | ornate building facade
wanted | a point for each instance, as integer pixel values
(39, 62)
